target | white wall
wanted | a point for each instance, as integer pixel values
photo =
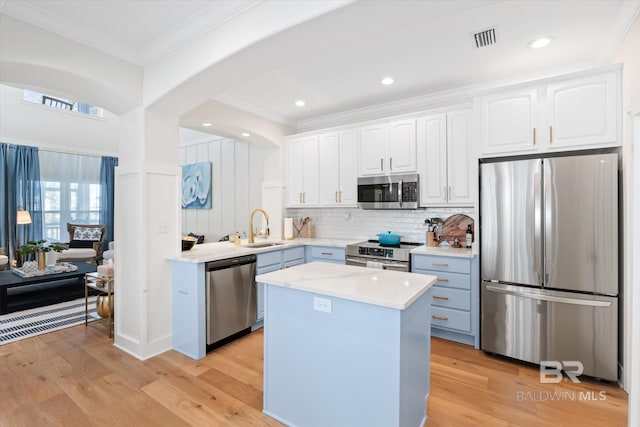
(26, 123)
(628, 52)
(237, 174)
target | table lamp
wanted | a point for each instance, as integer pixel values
(22, 217)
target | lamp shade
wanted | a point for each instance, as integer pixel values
(23, 217)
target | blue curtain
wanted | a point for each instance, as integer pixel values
(107, 187)
(19, 187)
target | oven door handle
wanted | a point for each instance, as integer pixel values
(357, 261)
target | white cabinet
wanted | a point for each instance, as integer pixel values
(337, 161)
(578, 113)
(509, 121)
(444, 161)
(583, 111)
(303, 172)
(388, 148)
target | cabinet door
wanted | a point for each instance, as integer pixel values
(459, 163)
(432, 159)
(329, 167)
(400, 146)
(295, 176)
(509, 121)
(310, 172)
(348, 148)
(371, 150)
(583, 112)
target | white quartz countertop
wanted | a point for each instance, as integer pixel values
(443, 251)
(220, 250)
(392, 289)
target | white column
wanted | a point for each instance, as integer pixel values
(147, 231)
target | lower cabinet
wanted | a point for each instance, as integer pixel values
(455, 301)
(273, 261)
(325, 254)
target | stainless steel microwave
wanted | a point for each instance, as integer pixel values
(388, 192)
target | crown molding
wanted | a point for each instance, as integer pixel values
(629, 11)
(206, 20)
(39, 17)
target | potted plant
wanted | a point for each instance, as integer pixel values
(33, 247)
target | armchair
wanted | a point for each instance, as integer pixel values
(85, 243)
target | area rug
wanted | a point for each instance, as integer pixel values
(37, 321)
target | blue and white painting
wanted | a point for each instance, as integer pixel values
(196, 186)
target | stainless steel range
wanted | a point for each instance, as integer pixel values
(372, 254)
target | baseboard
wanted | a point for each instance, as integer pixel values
(140, 351)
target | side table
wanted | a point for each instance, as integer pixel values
(105, 286)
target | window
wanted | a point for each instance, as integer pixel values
(62, 103)
(70, 191)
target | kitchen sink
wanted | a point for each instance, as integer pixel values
(262, 245)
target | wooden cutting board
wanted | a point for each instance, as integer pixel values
(455, 227)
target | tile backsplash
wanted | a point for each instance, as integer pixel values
(359, 224)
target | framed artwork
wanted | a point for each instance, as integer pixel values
(196, 186)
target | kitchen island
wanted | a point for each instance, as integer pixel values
(346, 345)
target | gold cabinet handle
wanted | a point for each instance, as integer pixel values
(440, 298)
(441, 279)
(390, 163)
(304, 197)
(381, 164)
(326, 253)
(300, 197)
(550, 134)
(440, 264)
(340, 196)
(449, 193)
(534, 136)
(439, 317)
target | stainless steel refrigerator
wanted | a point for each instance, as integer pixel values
(549, 260)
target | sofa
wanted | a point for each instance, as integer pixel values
(109, 254)
(4, 260)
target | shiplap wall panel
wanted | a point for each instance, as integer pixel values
(236, 174)
(241, 214)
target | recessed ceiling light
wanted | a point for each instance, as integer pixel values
(387, 81)
(245, 134)
(206, 124)
(541, 42)
(300, 103)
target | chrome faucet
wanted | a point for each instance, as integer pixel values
(252, 234)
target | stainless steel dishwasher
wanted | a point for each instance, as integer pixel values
(231, 297)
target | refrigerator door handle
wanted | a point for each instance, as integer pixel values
(550, 212)
(538, 239)
(551, 298)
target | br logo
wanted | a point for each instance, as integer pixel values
(551, 371)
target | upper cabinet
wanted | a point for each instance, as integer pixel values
(583, 111)
(579, 113)
(303, 172)
(508, 121)
(388, 148)
(445, 165)
(337, 160)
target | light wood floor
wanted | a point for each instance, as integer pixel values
(75, 377)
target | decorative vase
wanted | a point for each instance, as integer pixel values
(103, 304)
(42, 261)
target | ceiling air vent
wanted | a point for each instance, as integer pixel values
(484, 38)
